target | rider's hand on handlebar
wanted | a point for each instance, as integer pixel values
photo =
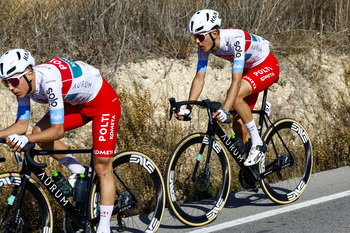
(17, 142)
(182, 114)
(220, 115)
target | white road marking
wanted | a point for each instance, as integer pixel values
(270, 213)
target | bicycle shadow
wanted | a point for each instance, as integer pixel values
(235, 200)
(246, 198)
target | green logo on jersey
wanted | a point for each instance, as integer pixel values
(74, 67)
(70, 97)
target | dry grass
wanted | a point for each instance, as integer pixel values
(333, 146)
(113, 32)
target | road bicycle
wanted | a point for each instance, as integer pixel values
(198, 173)
(25, 207)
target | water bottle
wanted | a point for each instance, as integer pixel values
(239, 144)
(80, 188)
(62, 183)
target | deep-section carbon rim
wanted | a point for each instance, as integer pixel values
(289, 144)
(145, 192)
(35, 211)
(196, 199)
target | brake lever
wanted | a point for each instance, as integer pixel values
(172, 102)
(187, 118)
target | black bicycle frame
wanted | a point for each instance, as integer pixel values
(263, 117)
(251, 172)
(30, 166)
(215, 129)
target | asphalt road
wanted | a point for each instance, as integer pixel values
(323, 207)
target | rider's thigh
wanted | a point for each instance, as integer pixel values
(42, 125)
(245, 90)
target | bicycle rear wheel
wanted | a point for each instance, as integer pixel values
(289, 156)
(197, 196)
(140, 195)
(35, 213)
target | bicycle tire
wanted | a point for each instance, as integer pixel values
(198, 202)
(145, 182)
(289, 184)
(35, 211)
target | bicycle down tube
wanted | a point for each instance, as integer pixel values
(283, 173)
(36, 168)
(215, 129)
(25, 207)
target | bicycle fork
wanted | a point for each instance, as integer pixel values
(202, 180)
(14, 224)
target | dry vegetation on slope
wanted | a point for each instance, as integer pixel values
(146, 41)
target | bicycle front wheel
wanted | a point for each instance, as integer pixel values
(35, 211)
(289, 159)
(197, 195)
(140, 194)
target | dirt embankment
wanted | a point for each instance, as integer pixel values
(311, 89)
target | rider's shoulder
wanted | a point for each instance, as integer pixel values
(232, 31)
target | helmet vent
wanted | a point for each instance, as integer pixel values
(19, 56)
(192, 25)
(207, 17)
(11, 70)
(2, 68)
(199, 29)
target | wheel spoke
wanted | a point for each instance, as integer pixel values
(140, 193)
(289, 161)
(197, 192)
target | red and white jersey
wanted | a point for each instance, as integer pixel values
(245, 50)
(59, 81)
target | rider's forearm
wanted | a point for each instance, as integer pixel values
(196, 87)
(56, 131)
(19, 127)
(233, 91)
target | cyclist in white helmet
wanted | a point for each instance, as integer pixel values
(76, 94)
(254, 68)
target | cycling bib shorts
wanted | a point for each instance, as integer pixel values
(261, 77)
(104, 111)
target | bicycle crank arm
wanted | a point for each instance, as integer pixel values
(88, 227)
(274, 169)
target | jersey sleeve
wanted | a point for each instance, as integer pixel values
(202, 61)
(239, 54)
(23, 111)
(53, 90)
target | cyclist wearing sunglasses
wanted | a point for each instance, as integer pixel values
(254, 68)
(76, 94)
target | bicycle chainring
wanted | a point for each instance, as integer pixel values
(202, 181)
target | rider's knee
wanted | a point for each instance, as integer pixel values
(103, 166)
(238, 102)
(36, 129)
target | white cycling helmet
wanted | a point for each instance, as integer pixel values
(204, 21)
(15, 61)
